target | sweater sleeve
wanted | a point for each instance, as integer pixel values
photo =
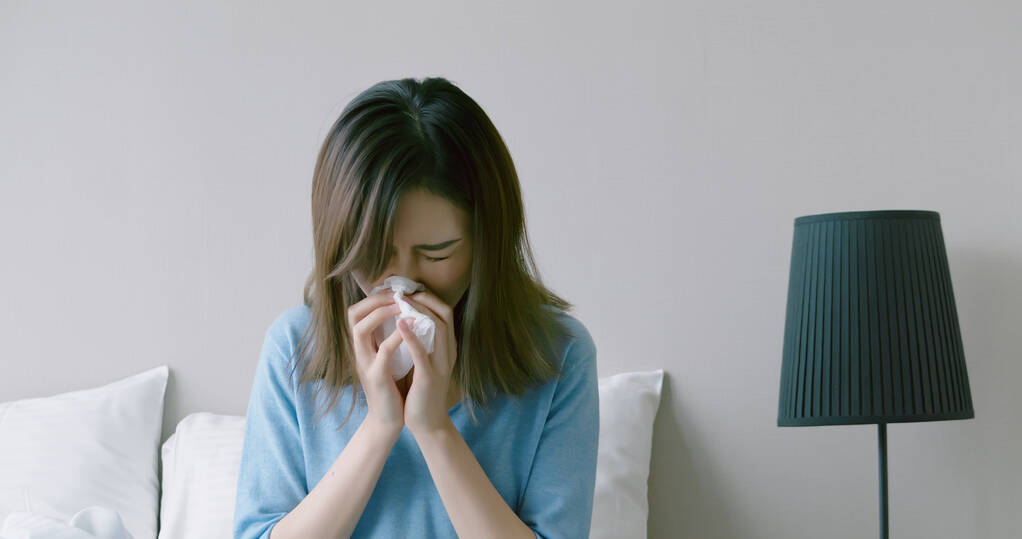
(271, 479)
(557, 502)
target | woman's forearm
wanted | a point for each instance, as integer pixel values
(335, 504)
(474, 505)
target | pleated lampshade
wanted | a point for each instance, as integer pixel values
(871, 330)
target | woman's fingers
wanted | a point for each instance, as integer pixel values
(387, 348)
(361, 309)
(362, 331)
(390, 344)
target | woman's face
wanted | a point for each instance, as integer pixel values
(424, 229)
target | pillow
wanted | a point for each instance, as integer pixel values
(202, 458)
(200, 476)
(93, 522)
(628, 405)
(84, 448)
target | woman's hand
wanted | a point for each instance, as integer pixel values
(386, 407)
(426, 403)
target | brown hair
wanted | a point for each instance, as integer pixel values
(405, 134)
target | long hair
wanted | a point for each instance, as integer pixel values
(405, 134)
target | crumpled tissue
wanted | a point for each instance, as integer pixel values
(424, 328)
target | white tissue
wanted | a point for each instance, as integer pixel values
(424, 328)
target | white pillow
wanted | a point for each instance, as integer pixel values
(92, 447)
(93, 522)
(202, 458)
(628, 405)
(201, 461)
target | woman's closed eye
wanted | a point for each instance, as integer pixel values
(431, 259)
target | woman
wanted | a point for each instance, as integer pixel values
(414, 180)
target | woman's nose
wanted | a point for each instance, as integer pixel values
(403, 269)
(412, 276)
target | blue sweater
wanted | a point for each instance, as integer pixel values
(539, 451)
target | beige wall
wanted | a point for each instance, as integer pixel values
(154, 208)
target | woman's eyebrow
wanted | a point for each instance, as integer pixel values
(435, 246)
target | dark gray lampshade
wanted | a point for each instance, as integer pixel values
(871, 330)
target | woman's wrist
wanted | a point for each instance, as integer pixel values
(381, 429)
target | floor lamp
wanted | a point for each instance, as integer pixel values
(871, 332)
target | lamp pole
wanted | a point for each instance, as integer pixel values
(882, 431)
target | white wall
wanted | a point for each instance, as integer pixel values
(155, 169)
